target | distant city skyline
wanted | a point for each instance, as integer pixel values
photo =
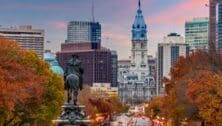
(115, 16)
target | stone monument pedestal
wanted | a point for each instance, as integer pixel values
(72, 115)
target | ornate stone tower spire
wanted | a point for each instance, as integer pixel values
(139, 27)
(139, 64)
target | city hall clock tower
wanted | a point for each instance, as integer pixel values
(139, 64)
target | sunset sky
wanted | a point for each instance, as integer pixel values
(115, 16)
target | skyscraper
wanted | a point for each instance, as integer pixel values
(83, 31)
(168, 52)
(196, 33)
(83, 39)
(97, 64)
(139, 65)
(27, 38)
(215, 26)
(114, 62)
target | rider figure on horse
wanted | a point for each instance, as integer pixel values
(73, 77)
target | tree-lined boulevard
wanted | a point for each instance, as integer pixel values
(83, 85)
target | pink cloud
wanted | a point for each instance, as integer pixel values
(117, 39)
(178, 14)
(59, 25)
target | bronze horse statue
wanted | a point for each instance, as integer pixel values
(73, 78)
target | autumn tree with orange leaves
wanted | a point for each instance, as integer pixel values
(205, 91)
(29, 91)
(95, 104)
(194, 90)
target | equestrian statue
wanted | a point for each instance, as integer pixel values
(73, 78)
(73, 113)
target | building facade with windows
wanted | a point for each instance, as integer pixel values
(135, 92)
(168, 52)
(26, 37)
(123, 69)
(215, 25)
(83, 31)
(152, 65)
(97, 63)
(114, 62)
(104, 90)
(196, 33)
(84, 40)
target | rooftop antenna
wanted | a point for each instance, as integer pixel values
(93, 16)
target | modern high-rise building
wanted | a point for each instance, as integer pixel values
(173, 46)
(99, 63)
(26, 37)
(215, 25)
(83, 31)
(196, 33)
